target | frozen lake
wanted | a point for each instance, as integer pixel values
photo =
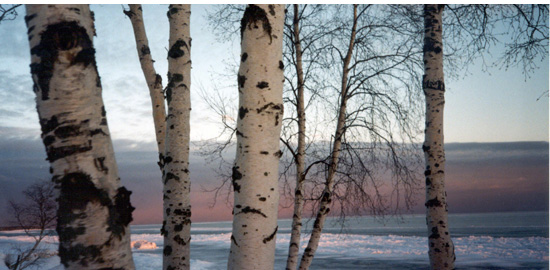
(482, 241)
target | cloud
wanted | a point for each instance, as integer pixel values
(474, 171)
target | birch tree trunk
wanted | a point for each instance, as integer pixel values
(294, 245)
(153, 79)
(326, 199)
(94, 211)
(176, 227)
(255, 173)
(441, 248)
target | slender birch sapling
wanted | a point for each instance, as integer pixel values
(441, 248)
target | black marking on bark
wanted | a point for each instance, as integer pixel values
(30, 29)
(103, 112)
(85, 57)
(76, 191)
(55, 38)
(29, 18)
(427, 172)
(97, 131)
(241, 79)
(264, 152)
(70, 233)
(271, 236)
(262, 85)
(271, 10)
(428, 181)
(252, 15)
(278, 154)
(435, 234)
(82, 254)
(179, 240)
(243, 57)
(437, 165)
(281, 65)
(129, 13)
(242, 112)
(178, 227)
(176, 51)
(167, 210)
(263, 199)
(47, 125)
(170, 176)
(236, 175)
(120, 214)
(145, 50)
(171, 10)
(266, 173)
(67, 131)
(425, 148)
(240, 133)
(273, 106)
(167, 250)
(234, 241)
(167, 159)
(158, 81)
(433, 203)
(99, 163)
(163, 230)
(249, 210)
(434, 85)
(55, 153)
(48, 140)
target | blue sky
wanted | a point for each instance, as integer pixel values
(495, 106)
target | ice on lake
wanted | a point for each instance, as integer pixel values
(482, 241)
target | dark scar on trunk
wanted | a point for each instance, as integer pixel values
(252, 15)
(58, 37)
(248, 209)
(271, 236)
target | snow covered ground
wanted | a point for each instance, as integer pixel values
(514, 247)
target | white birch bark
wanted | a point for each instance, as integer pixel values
(176, 227)
(154, 80)
(326, 198)
(255, 173)
(94, 211)
(441, 248)
(294, 244)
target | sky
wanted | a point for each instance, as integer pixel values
(484, 108)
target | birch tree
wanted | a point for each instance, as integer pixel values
(441, 248)
(255, 173)
(172, 130)
(176, 227)
(324, 205)
(152, 78)
(94, 210)
(296, 227)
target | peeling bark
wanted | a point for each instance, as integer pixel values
(153, 79)
(441, 248)
(294, 244)
(326, 199)
(94, 211)
(177, 185)
(255, 174)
